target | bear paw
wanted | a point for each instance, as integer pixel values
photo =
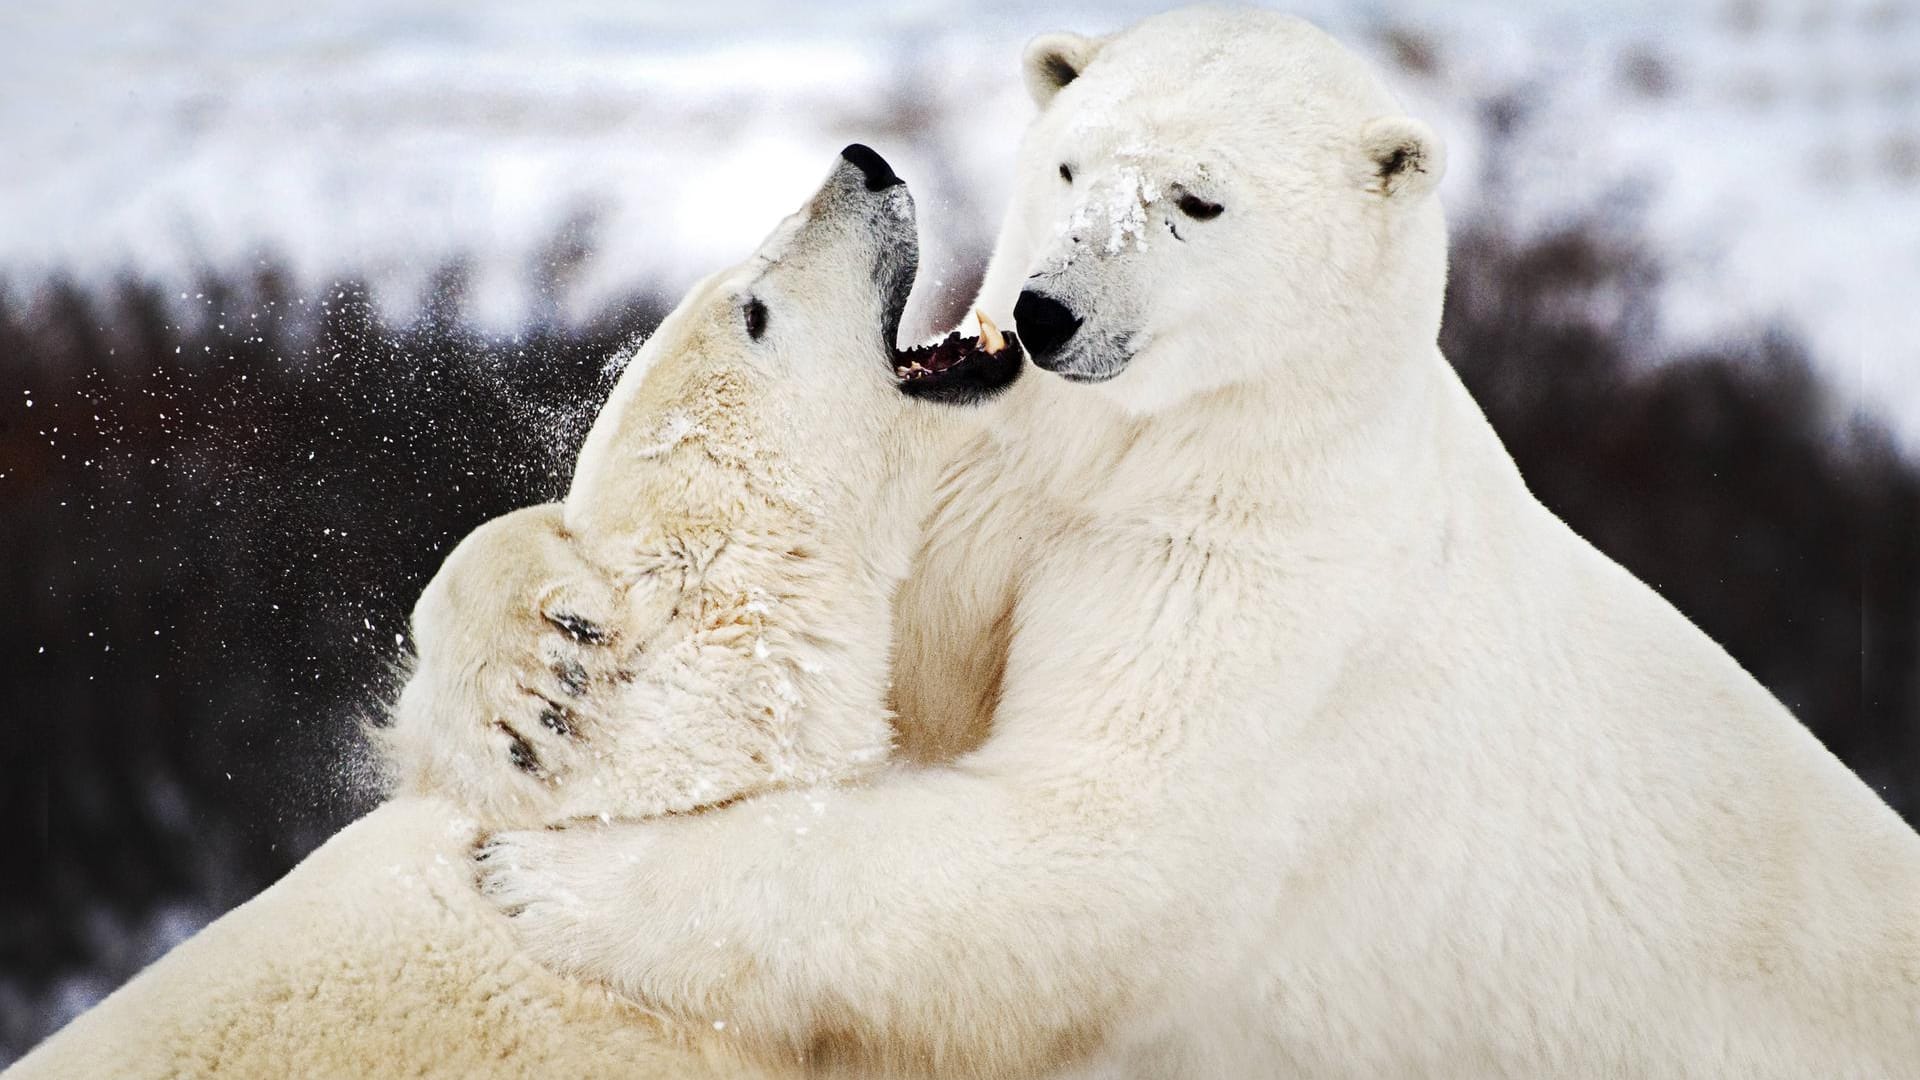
(561, 684)
(565, 891)
(524, 648)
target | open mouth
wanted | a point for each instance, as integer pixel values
(957, 369)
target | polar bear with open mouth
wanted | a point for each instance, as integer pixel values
(707, 614)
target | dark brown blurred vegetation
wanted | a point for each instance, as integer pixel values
(218, 511)
(221, 504)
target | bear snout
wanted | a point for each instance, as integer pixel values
(1044, 324)
(879, 175)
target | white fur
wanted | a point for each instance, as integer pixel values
(1317, 746)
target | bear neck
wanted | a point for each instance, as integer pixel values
(1253, 453)
(839, 591)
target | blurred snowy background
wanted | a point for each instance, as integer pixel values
(292, 296)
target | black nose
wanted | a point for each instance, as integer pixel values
(879, 174)
(1044, 324)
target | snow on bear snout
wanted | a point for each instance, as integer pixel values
(1084, 311)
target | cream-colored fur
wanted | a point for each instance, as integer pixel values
(373, 958)
(707, 616)
(1317, 747)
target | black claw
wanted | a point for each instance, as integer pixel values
(520, 751)
(479, 852)
(557, 719)
(585, 631)
(572, 675)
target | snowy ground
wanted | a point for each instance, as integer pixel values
(1772, 150)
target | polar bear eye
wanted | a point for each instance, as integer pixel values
(1066, 172)
(1198, 208)
(756, 314)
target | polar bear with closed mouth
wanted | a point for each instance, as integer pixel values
(1274, 727)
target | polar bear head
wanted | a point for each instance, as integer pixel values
(784, 370)
(1216, 196)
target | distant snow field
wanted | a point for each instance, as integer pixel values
(1770, 151)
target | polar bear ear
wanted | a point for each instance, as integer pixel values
(1054, 60)
(1404, 159)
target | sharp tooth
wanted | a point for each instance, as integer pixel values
(989, 333)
